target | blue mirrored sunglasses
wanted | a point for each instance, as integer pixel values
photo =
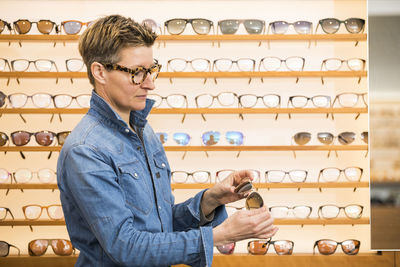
(181, 138)
(234, 138)
(211, 138)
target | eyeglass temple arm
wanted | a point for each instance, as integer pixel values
(315, 244)
(269, 42)
(318, 181)
(291, 142)
(19, 252)
(333, 104)
(288, 102)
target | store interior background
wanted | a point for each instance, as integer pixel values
(384, 88)
(258, 129)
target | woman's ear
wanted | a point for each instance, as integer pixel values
(99, 72)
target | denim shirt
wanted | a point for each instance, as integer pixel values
(115, 190)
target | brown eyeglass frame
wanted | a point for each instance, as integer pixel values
(62, 25)
(41, 211)
(268, 243)
(54, 25)
(357, 246)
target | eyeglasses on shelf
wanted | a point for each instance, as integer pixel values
(329, 246)
(260, 247)
(5, 249)
(177, 26)
(61, 247)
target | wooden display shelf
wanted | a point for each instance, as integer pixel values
(364, 259)
(238, 74)
(208, 185)
(213, 148)
(209, 37)
(194, 110)
(311, 221)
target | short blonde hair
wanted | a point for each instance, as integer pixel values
(107, 36)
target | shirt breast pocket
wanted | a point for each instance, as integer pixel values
(137, 193)
(163, 171)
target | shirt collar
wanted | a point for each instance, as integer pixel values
(136, 117)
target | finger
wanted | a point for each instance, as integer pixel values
(264, 226)
(260, 214)
(239, 176)
(254, 212)
(268, 234)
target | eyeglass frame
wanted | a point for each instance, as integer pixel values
(87, 24)
(339, 208)
(363, 61)
(288, 23)
(292, 208)
(268, 243)
(6, 25)
(340, 171)
(115, 66)
(241, 21)
(41, 211)
(191, 174)
(340, 23)
(337, 243)
(189, 61)
(34, 63)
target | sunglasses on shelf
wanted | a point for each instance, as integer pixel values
(281, 212)
(33, 212)
(4, 25)
(74, 26)
(177, 26)
(226, 249)
(5, 249)
(332, 174)
(329, 246)
(260, 247)
(44, 26)
(3, 213)
(3, 98)
(332, 25)
(277, 176)
(344, 138)
(201, 177)
(61, 247)
(3, 139)
(43, 138)
(232, 137)
(352, 211)
(281, 27)
(231, 26)
(181, 139)
(138, 74)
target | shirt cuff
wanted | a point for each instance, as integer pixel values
(206, 249)
(206, 219)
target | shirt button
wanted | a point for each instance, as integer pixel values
(163, 165)
(127, 130)
(159, 207)
(135, 174)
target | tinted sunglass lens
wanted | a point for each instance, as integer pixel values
(253, 26)
(20, 138)
(257, 247)
(283, 247)
(327, 247)
(364, 137)
(150, 24)
(62, 247)
(254, 201)
(351, 247)
(163, 137)
(346, 138)
(302, 138)
(226, 249)
(181, 138)
(234, 138)
(45, 26)
(44, 138)
(22, 26)
(201, 26)
(2, 99)
(61, 137)
(354, 25)
(330, 25)
(72, 27)
(38, 247)
(303, 27)
(325, 138)
(279, 27)
(176, 26)
(229, 26)
(3, 139)
(4, 249)
(211, 138)
(2, 26)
